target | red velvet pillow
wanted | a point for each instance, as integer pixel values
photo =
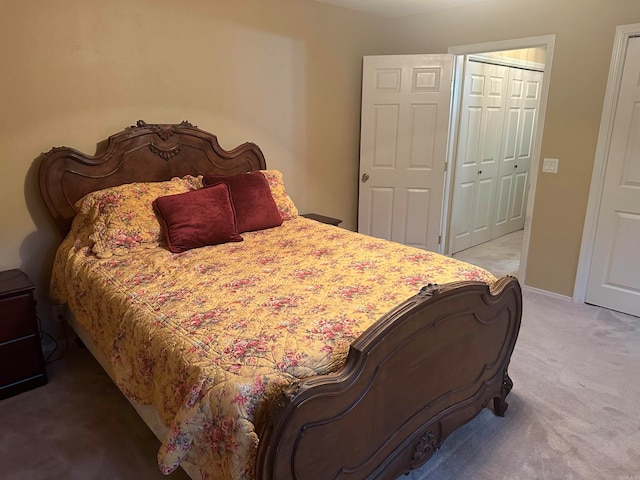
(197, 218)
(252, 200)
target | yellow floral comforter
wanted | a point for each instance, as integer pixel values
(208, 335)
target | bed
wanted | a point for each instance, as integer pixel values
(297, 351)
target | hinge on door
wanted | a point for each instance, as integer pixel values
(439, 239)
(446, 165)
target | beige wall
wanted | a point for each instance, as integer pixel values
(284, 74)
(584, 32)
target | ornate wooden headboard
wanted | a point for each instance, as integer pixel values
(140, 153)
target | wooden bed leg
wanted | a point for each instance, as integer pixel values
(500, 404)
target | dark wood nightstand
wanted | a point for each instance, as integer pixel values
(321, 218)
(21, 362)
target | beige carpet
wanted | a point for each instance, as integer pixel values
(573, 412)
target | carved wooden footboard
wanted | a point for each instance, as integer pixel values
(426, 368)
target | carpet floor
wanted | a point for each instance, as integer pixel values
(573, 412)
(500, 256)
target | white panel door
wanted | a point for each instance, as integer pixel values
(521, 115)
(614, 277)
(478, 155)
(406, 103)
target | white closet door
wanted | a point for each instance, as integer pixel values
(406, 103)
(478, 155)
(521, 115)
(614, 277)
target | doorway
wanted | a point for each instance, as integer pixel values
(498, 113)
(539, 50)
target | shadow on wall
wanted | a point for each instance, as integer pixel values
(38, 250)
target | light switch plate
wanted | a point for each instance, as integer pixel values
(550, 165)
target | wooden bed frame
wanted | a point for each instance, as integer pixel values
(424, 369)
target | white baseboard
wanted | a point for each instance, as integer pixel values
(547, 293)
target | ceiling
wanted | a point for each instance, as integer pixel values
(398, 8)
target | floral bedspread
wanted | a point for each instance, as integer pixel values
(208, 335)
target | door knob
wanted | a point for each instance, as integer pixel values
(365, 177)
(479, 172)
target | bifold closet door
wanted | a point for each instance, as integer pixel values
(498, 122)
(478, 154)
(521, 116)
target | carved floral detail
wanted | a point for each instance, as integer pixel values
(165, 132)
(166, 153)
(429, 290)
(427, 445)
(55, 149)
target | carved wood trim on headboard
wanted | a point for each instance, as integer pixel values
(141, 153)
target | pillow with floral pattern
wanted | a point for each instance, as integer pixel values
(284, 203)
(122, 217)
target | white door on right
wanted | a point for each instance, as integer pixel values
(614, 277)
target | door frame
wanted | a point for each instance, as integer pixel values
(460, 51)
(623, 34)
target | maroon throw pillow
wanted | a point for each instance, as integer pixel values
(252, 200)
(197, 218)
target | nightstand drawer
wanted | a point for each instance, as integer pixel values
(17, 317)
(20, 360)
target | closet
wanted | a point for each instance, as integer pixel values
(497, 124)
